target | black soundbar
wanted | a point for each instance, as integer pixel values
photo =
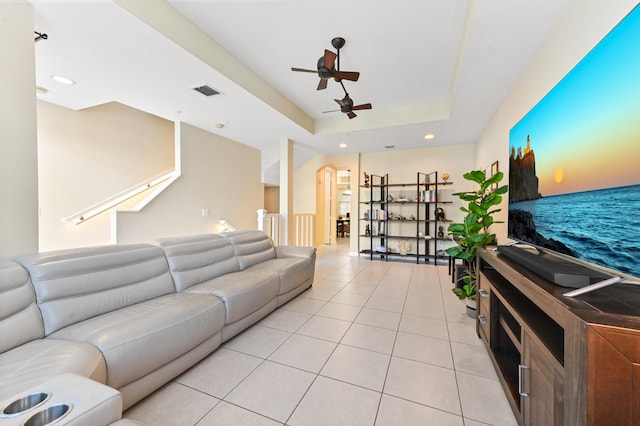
(553, 268)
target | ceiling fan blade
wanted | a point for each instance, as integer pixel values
(333, 110)
(322, 84)
(346, 75)
(363, 106)
(329, 59)
(339, 101)
(351, 115)
(304, 70)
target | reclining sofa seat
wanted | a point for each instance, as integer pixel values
(122, 300)
(26, 359)
(241, 269)
(295, 266)
(206, 264)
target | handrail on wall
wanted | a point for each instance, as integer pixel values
(86, 214)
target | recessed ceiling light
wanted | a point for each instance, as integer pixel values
(63, 80)
(343, 145)
(42, 90)
(429, 136)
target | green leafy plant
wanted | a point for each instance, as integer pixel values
(473, 232)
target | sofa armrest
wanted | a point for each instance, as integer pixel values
(294, 251)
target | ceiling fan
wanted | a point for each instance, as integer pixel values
(346, 106)
(327, 66)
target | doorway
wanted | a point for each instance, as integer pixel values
(343, 188)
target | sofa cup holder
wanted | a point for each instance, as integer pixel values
(49, 415)
(25, 403)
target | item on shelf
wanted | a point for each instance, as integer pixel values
(439, 213)
(440, 231)
(445, 177)
(366, 180)
(367, 230)
(412, 217)
(389, 198)
(420, 234)
(428, 196)
(404, 246)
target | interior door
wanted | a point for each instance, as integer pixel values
(328, 217)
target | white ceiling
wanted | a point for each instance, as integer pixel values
(426, 65)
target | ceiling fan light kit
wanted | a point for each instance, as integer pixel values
(328, 67)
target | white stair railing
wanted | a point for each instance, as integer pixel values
(303, 227)
(269, 223)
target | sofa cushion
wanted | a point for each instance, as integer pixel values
(198, 258)
(251, 247)
(242, 293)
(32, 363)
(293, 272)
(138, 339)
(76, 284)
(20, 319)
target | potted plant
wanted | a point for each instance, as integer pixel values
(473, 232)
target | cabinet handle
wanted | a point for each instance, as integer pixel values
(482, 319)
(483, 292)
(521, 391)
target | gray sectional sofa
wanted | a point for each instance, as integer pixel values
(135, 316)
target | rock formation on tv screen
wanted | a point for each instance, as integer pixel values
(523, 182)
(522, 227)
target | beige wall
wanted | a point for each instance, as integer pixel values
(218, 175)
(272, 199)
(585, 23)
(402, 166)
(18, 147)
(88, 156)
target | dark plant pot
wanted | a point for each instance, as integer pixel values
(459, 275)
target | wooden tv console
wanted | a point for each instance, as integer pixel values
(561, 361)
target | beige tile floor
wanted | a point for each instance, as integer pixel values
(371, 343)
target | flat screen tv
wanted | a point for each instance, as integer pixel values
(574, 172)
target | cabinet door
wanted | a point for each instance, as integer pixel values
(541, 384)
(613, 376)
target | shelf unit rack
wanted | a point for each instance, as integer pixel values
(380, 227)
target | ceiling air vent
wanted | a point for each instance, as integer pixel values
(206, 90)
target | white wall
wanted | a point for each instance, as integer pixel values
(218, 174)
(584, 24)
(18, 146)
(88, 156)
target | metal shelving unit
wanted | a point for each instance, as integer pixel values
(400, 221)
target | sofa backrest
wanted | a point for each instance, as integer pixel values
(198, 258)
(76, 284)
(20, 319)
(251, 247)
